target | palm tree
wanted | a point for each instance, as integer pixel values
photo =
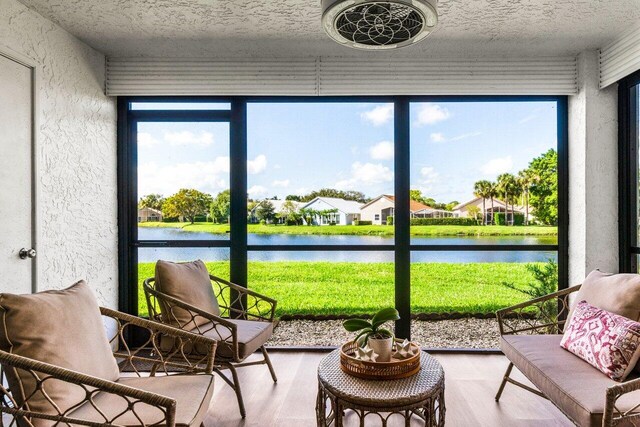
(507, 188)
(525, 179)
(482, 189)
(493, 193)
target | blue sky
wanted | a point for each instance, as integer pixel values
(299, 147)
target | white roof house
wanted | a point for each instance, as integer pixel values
(347, 210)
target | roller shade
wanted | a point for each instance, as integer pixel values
(341, 76)
(620, 58)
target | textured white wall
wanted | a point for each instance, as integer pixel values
(593, 173)
(76, 154)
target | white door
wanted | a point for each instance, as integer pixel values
(17, 243)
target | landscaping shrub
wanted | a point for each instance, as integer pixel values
(361, 222)
(390, 220)
(518, 219)
(443, 221)
(175, 219)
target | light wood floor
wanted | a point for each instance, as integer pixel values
(471, 382)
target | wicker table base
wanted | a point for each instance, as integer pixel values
(421, 395)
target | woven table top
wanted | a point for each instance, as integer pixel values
(405, 391)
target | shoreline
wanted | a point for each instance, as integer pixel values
(366, 230)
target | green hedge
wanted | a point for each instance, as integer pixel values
(518, 219)
(443, 221)
(361, 222)
(390, 220)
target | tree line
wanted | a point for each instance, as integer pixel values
(535, 188)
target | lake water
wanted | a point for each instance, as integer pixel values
(221, 254)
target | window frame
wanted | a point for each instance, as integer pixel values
(239, 249)
(628, 163)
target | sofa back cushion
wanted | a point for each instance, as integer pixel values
(60, 327)
(188, 282)
(605, 340)
(617, 293)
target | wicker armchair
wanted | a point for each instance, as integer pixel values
(537, 354)
(166, 400)
(244, 325)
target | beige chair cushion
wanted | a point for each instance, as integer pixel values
(251, 336)
(192, 394)
(573, 385)
(190, 283)
(63, 328)
(616, 293)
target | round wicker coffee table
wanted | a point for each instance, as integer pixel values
(421, 395)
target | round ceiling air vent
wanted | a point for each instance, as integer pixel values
(370, 24)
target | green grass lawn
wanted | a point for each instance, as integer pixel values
(364, 288)
(366, 230)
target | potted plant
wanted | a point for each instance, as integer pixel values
(371, 332)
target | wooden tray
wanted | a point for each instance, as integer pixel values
(395, 369)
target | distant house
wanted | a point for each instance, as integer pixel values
(346, 211)
(379, 209)
(278, 206)
(430, 212)
(149, 214)
(462, 210)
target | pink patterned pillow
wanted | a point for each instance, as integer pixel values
(605, 340)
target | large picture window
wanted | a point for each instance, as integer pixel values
(444, 207)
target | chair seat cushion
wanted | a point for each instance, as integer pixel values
(575, 387)
(251, 336)
(192, 394)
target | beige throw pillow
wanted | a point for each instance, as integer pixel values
(190, 283)
(616, 293)
(59, 327)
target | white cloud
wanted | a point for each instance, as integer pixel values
(203, 139)
(497, 166)
(281, 183)
(146, 139)
(379, 115)
(428, 177)
(430, 114)
(257, 191)
(210, 177)
(257, 165)
(382, 151)
(429, 174)
(365, 174)
(527, 118)
(437, 137)
(465, 136)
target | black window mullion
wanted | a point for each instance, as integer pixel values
(562, 127)
(238, 211)
(401, 216)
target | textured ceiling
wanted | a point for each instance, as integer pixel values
(285, 28)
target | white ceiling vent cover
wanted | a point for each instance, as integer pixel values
(375, 25)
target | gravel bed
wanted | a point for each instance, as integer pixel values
(458, 333)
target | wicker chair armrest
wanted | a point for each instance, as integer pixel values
(612, 414)
(246, 311)
(161, 359)
(532, 321)
(91, 385)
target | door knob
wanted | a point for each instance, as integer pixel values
(27, 253)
